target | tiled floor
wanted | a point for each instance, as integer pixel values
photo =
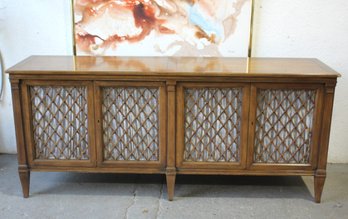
(75, 195)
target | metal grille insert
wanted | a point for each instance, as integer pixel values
(60, 122)
(130, 123)
(212, 124)
(284, 122)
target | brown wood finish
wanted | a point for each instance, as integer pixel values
(300, 79)
(23, 167)
(172, 66)
(312, 164)
(171, 139)
(29, 126)
(160, 164)
(180, 162)
(320, 175)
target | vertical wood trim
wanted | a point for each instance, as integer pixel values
(18, 119)
(252, 118)
(27, 123)
(98, 99)
(180, 128)
(171, 143)
(315, 139)
(91, 124)
(162, 126)
(326, 125)
(243, 147)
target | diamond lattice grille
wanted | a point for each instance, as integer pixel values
(60, 122)
(130, 124)
(284, 122)
(213, 124)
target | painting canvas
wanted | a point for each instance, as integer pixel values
(162, 27)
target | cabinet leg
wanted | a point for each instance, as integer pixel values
(170, 185)
(24, 176)
(318, 187)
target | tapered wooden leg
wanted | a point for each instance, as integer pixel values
(24, 176)
(318, 187)
(170, 185)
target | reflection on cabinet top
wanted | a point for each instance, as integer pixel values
(174, 66)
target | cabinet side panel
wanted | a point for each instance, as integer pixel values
(212, 122)
(284, 126)
(60, 122)
(130, 120)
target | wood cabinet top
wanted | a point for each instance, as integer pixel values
(173, 66)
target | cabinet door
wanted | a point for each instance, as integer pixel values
(212, 125)
(59, 121)
(131, 118)
(284, 125)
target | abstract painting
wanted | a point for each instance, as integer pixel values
(162, 27)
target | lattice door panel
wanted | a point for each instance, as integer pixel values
(284, 124)
(212, 121)
(60, 122)
(130, 123)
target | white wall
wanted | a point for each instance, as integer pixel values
(29, 27)
(310, 28)
(286, 28)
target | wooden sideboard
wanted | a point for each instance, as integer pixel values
(167, 115)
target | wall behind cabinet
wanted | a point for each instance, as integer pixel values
(287, 28)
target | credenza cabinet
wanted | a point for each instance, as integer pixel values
(173, 116)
